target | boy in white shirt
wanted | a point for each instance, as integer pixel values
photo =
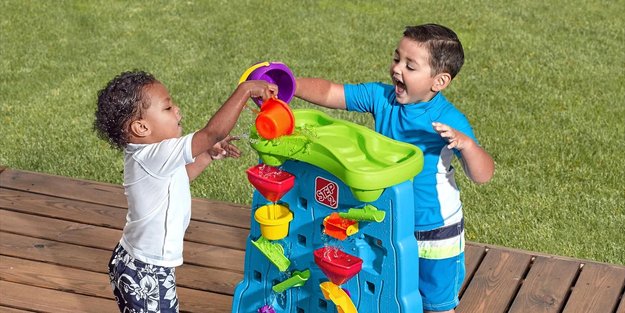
(137, 115)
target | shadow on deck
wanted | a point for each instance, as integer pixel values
(56, 236)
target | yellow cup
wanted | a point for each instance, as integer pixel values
(274, 220)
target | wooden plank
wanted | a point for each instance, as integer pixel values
(106, 238)
(5, 309)
(93, 284)
(217, 235)
(208, 279)
(52, 276)
(59, 230)
(61, 208)
(598, 289)
(54, 301)
(473, 255)
(54, 252)
(546, 286)
(222, 212)
(621, 308)
(201, 302)
(113, 195)
(495, 282)
(113, 217)
(96, 260)
(213, 256)
(64, 187)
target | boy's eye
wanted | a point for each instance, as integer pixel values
(410, 68)
(168, 108)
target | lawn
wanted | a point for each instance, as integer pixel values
(543, 86)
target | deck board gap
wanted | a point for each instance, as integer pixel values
(56, 241)
(577, 275)
(621, 301)
(570, 290)
(520, 284)
(14, 309)
(472, 275)
(35, 192)
(214, 267)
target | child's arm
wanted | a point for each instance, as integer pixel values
(321, 92)
(226, 117)
(476, 162)
(201, 162)
(220, 150)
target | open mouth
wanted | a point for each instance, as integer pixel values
(400, 87)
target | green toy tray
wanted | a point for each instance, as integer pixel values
(364, 160)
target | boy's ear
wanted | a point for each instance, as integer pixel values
(441, 81)
(140, 128)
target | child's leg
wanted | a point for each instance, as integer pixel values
(441, 267)
(141, 287)
(440, 282)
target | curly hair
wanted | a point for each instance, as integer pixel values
(446, 53)
(119, 103)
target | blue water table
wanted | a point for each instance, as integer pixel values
(332, 222)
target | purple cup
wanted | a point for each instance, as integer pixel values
(347, 292)
(266, 309)
(276, 73)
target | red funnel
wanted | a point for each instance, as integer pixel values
(270, 181)
(337, 265)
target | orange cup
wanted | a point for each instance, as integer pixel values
(275, 119)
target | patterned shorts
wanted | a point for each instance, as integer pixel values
(441, 266)
(140, 287)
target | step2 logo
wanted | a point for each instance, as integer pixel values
(327, 192)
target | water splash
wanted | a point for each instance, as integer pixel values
(252, 107)
(307, 131)
(281, 299)
(243, 136)
(286, 246)
(331, 252)
(269, 172)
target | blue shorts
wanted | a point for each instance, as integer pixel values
(141, 287)
(441, 266)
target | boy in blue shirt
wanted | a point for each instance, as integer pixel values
(413, 109)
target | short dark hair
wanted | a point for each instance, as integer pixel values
(446, 53)
(118, 103)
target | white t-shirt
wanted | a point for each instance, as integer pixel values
(159, 200)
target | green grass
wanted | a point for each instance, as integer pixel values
(542, 84)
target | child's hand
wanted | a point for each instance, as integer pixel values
(224, 149)
(261, 89)
(455, 138)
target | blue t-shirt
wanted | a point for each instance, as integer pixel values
(436, 195)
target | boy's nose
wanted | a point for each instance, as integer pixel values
(395, 69)
(396, 74)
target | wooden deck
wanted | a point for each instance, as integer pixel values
(56, 236)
